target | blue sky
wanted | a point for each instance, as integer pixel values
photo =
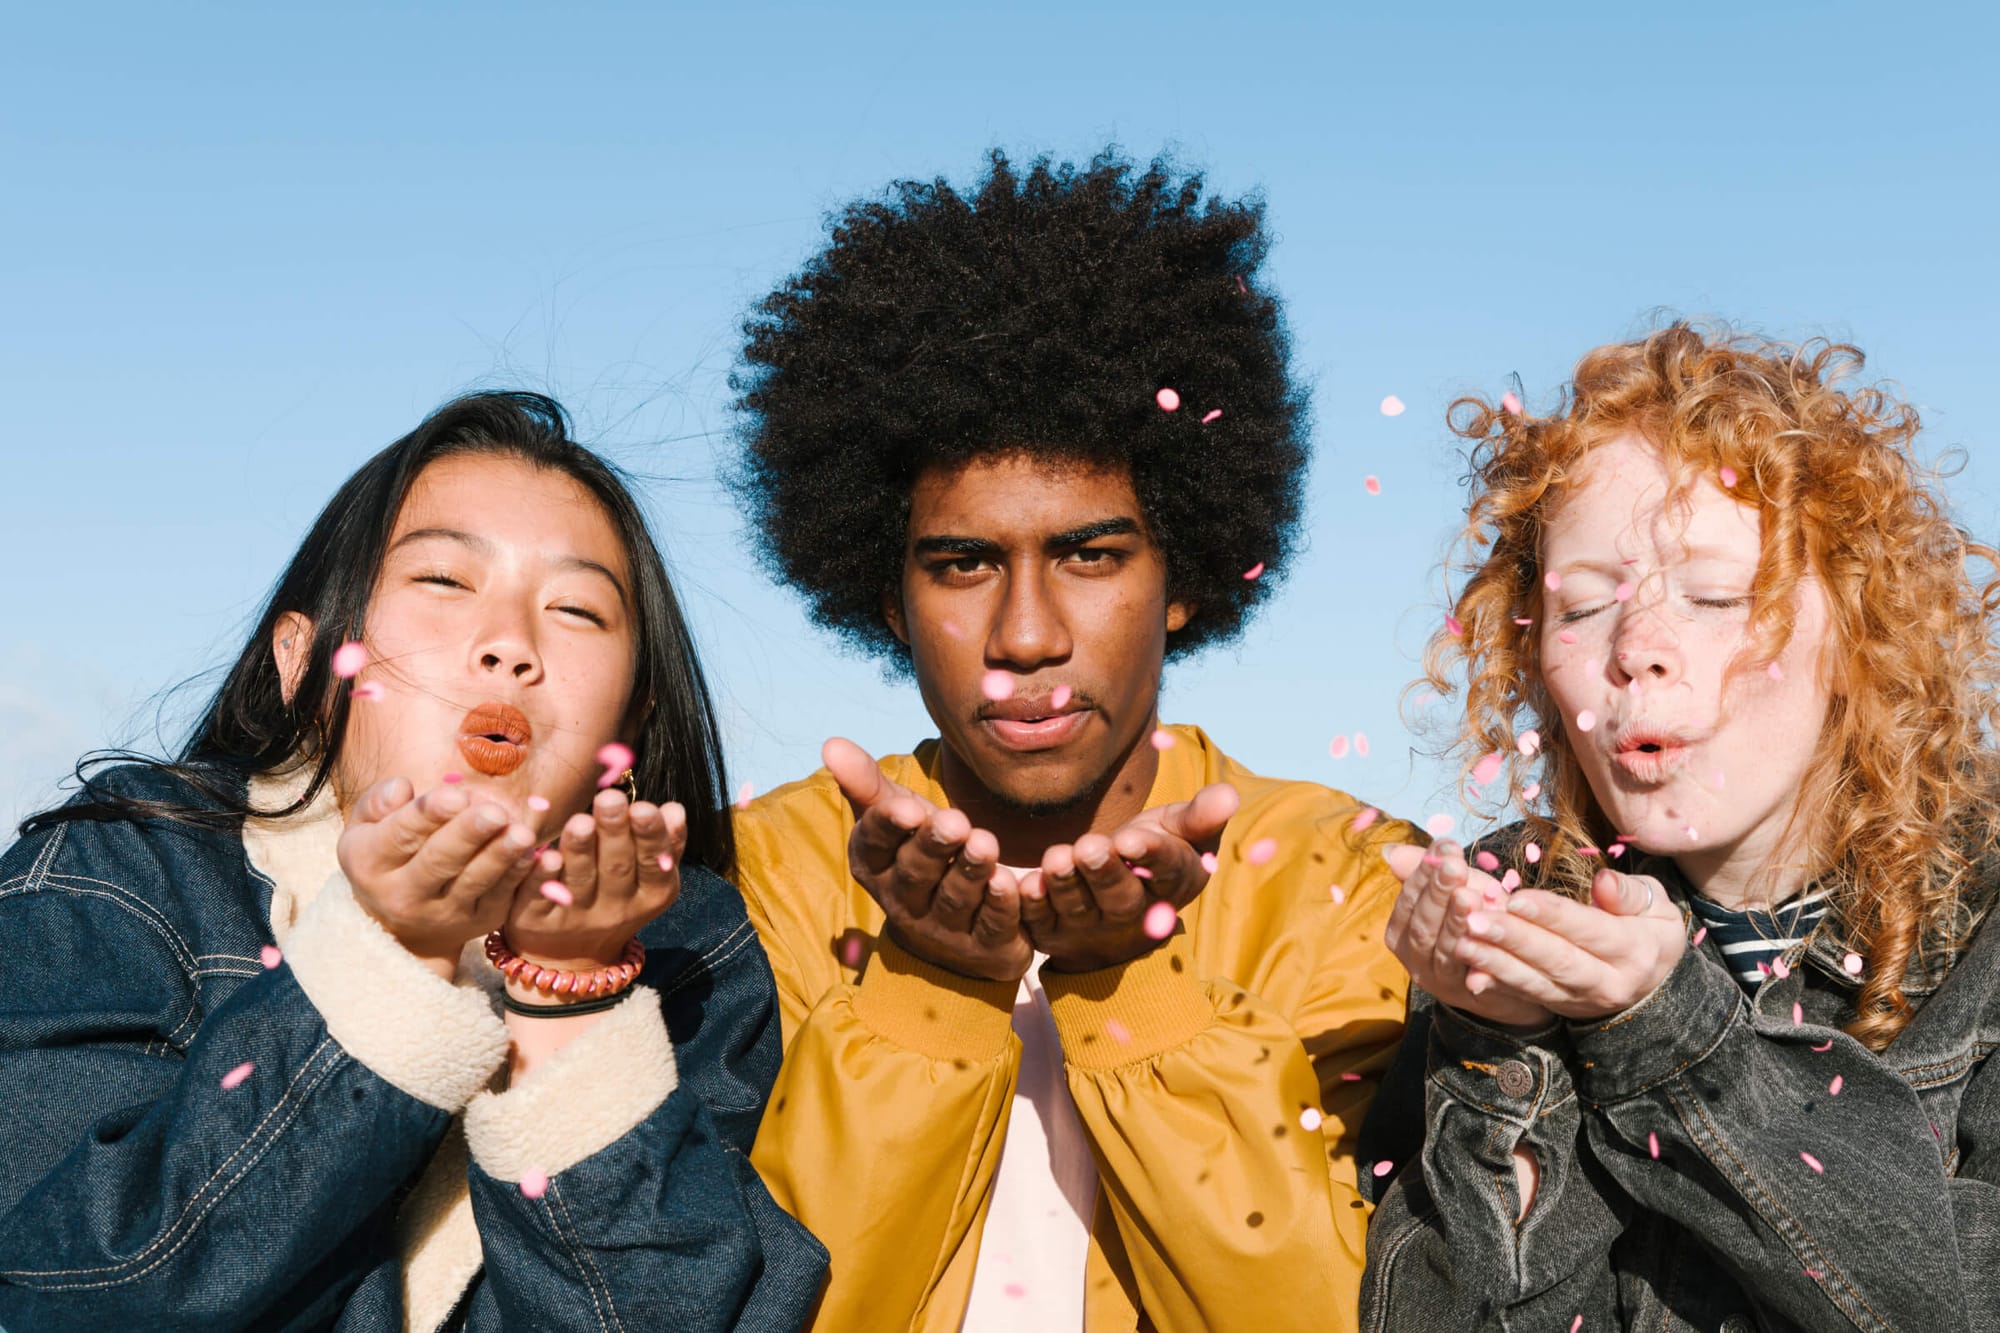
(243, 247)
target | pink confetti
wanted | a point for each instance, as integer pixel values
(1798, 1014)
(1168, 400)
(1700, 934)
(1060, 696)
(616, 758)
(1524, 621)
(369, 692)
(1780, 968)
(1014, 1291)
(534, 1183)
(236, 1076)
(538, 804)
(1623, 592)
(348, 659)
(1382, 1169)
(1511, 880)
(997, 685)
(1369, 814)
(1552, 581)
(557, 892)
(1486, 861)
(1566, 636)
(1824, 1047)
(851, 949)
(1575, 1324)
(1117, 1031)
(1337, 747)
(1361, 744)
(1533, 851)
(1163, 739)
(1488, 767)
(1439, 824)
(1812, 1162)
(1653, 1144)
(1615, 850)
(1833, 1088)
(1588, 851)
(1774, 671)
(1529, 742)
(1338, 894)
(1728, 476)
(1852, 965)
(1454, 626)
(1371, 485)
(1694, 835)
(270, 955)
(1261, 851)
(453, 778)
(1251, 574)
(1350, 1077)
(1509, 402)
(1392, 406)
(1531, 791)
(1310, 1119)
(1585, 720)
(1213, 414)
(744, 793)
(666, 861)
(1160, 921)
(1208, 863)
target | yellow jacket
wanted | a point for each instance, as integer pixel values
(1190, 1067)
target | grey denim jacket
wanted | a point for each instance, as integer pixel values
(1700, 1167)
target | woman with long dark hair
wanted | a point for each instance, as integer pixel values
(408, 995)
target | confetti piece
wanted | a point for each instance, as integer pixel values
(557, 892)
(534, 1183)
(1361, 744)
(1780, 969)
(1382, 1169)
(1454, 625)
(453, 778)
(1531, 791)
(1117, 1031)
(616, 759)
(744, 793)
(369, 692)
(1566, 636)
(236, 1076)
(1693, 834)
(1014, 1291)
(1529, 742)
(1852, 965)
(1369, 814)
(1653, 1144)
(1585, 720)
(1338, 894)
(1720, 777)
(1798, 1014)
(1392, 406)
(1575, 1324)
(1208, 863)
(1623, 592)
(1616, 849)
(348, 659)
(1439, 824)
(1261, 851)
(1310, 1119)
(1060, 696)
(270, 955)
(1337, 747)
(1824, 1048)
(1486, 861)
(997, 685)
(1728, 476)
(1251, 574)
(1168, 400)
(1511, 880)
(1812, 1162)
(1833, 1088)
(1371, 485)
(1163, 739)
(1774, 671)
(1488, 768)
(1524, 621)
(1552, 581)
(851, 947)
(1509, 402)
(1700, 934)
(666, 861)
(538, 803)
(1160, 919)
(1213, 413)
(1533, 851)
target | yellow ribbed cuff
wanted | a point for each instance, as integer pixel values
(1134, 1011)
(931, 1011)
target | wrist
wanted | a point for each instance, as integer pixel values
(541, 983)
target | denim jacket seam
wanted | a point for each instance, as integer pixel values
(731, 945)
(139, 907)
(183, 1224)
(1959, 1065)
(1417, 1226)
(1766, 1206)
(565, 1230)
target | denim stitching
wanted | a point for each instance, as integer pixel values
(195, 1199)
(733, 942)
(1395, 1249)
(592, 1279)
(141, 909)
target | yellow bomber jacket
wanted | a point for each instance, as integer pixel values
(1192, 1069)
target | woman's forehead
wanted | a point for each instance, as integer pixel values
(1622, 498)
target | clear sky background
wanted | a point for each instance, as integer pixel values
(242, 247)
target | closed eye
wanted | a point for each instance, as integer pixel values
(1722, 603)
(584, 612)
(442, 580)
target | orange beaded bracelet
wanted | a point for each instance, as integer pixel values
(594, 984)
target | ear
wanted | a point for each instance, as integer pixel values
(291, 649)
(1178, 616)
(892, 614)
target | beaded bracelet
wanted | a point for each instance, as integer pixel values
(597, 983)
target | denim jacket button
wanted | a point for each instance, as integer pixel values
(1515, 1079)
(1739, 1323)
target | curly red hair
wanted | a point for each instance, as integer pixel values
(1901, 793)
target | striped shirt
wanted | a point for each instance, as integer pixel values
(1752, 941)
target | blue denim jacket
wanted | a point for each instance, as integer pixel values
(1699, 1168)
(135, 1192)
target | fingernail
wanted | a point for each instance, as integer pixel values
(1477, 985)
(1097, 862)
(522, 837)
(489, 819)
(1482, 925)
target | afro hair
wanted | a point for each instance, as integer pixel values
(1042, 313)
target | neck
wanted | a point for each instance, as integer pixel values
(1024, 834)
(1742, 877)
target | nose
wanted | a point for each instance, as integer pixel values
(1029, 629)
(1647, 649)
(507, 648)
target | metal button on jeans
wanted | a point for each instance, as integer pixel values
(1739, 1323)
(1515, 1079)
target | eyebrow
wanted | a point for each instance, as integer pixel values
(946, 544)
(485, 548)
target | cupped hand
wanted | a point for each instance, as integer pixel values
(1427, 928)
(614, 868)
(945, 896)
(1585, 961)
(436, 870)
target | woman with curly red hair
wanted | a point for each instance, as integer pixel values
(1701, 1040)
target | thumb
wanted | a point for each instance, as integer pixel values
(854, 769)
(1403, 859)
(1200, 821)
(380, 801)
(1627, 895)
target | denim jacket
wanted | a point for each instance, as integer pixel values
(188, 1145)
(1709, 1160)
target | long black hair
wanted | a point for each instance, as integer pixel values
(248, 727)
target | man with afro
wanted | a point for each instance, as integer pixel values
(1081, 1017)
